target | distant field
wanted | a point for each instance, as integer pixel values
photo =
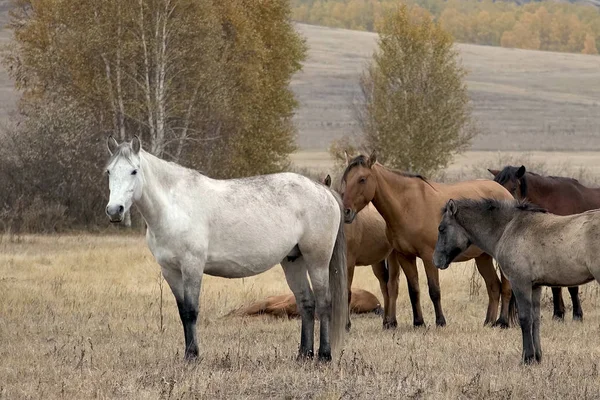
(80, 318)
(524, 100)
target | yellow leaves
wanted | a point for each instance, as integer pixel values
(543, 25)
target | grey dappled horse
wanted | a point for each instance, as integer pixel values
(237, 228)
(534, 249)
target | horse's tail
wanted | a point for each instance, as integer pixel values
(338, 286)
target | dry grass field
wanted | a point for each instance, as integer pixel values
(80, 317)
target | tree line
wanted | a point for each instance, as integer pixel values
(545, 25)
(204, 83)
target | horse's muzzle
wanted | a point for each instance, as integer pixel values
(440, 261)
(115, 213)
(349, 215)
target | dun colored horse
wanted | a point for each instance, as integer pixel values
(367, 244)
(558, 195)
(284, 305)
(534, 249)
(410, 205)
(236, 228)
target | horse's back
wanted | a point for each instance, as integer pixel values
(256, 222)
(475, 189)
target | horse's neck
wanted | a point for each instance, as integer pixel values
(159, 176)
(539, 188)
(486, 232)
(395, 196)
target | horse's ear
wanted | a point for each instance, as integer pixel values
(347, 157)
(494, 171)
(327, 181)
(111, 144)
(520, 172)
(451, 207)
(136, 144)
(372, 158)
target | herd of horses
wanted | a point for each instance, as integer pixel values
(539, 229)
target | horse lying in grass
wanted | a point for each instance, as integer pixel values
(284, 305)
(410, 205)
(534, 249)
(237, 228)
(558, 195)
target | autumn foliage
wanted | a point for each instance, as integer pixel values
(546, 25)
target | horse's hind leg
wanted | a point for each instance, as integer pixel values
(507, 306)
(559, 304)
(319, 277)
(485, 265)
(577, 311)
(351, 266)
(382, 274)
(297, 279)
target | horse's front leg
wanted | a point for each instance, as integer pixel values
(523, 294)
(185, 283)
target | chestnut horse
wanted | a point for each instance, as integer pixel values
(367, 244)
(284, 305)
(558, 195)
(410, 205)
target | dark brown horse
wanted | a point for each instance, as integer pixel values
(410, 205)
(558, 195)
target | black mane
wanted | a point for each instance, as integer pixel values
(363, 161)
(509, 173)
(487, 204)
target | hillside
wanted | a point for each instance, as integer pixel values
(524, 100)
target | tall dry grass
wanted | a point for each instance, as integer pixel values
(81, 317)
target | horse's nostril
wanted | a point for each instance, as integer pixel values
(347, 211)
(121, 209)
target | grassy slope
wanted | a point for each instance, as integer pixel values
(524, 100)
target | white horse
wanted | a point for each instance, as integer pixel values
(237, 228)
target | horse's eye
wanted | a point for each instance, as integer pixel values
(362, 180)
(134, 172)
(441, 229)
(107, 172)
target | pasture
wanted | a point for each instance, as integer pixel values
(83, 317)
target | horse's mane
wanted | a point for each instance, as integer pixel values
(487, 205)
(363, 160)
(509, 173)
(123, 150)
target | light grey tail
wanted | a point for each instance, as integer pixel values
(338, 287)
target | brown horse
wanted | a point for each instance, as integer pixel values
(410, 205)
(367, 244)
(285, 305)
(558, 195)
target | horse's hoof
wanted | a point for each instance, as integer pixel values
(419, 323)
(191, 356)
(324, 357)
(440, 322)
(529, 360)
(348, 326)
(390, 324)
(559, 317)
(501, 323)
(578, 317)
(304, 356)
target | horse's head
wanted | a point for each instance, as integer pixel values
(124, 177)
(360, 185)
(452, 237)
(513, 179)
